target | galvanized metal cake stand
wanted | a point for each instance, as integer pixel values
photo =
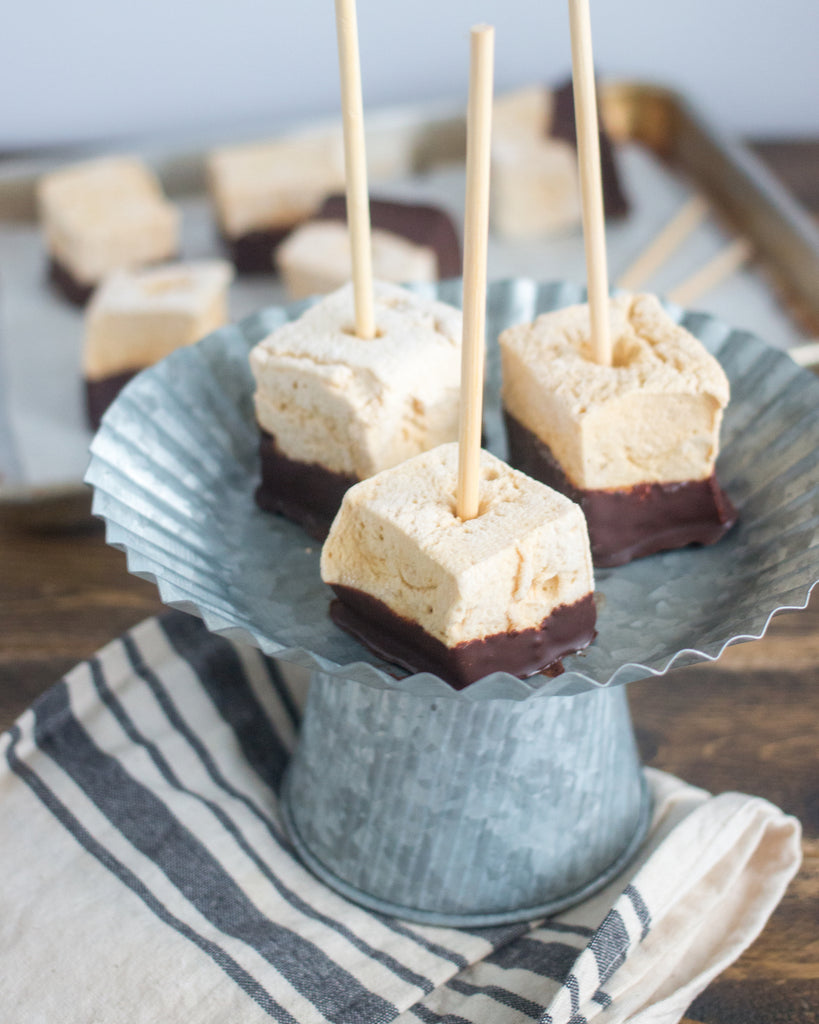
(510, 799)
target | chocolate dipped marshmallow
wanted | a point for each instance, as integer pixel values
(634, 442)
(334, 408)
(510, 590)
(410, 242)
(535, 188)
(100, 216)
(137, 318)
(262, 190)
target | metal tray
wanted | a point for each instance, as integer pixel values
(418, 151)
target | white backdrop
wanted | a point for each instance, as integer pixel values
(97, 69)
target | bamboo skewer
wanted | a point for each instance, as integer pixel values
(806, 355)
(476, 230)
(687, 220)
(725, 263)
(591, 186)
(355, 164)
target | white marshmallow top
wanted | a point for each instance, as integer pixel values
(535, 186)
(356, 406)
(137, 318)
(316, 258)
(275, 184)
(105, 214)
(652, 416)
(397, 537)
(181, 288)
(523, 113)
(94, 184)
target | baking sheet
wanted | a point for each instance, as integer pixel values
(43, 436)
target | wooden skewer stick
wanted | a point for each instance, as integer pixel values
(591, 184)
(688, 218)
(355, 164)
(476, 231)
(714, 272)
(806, 355)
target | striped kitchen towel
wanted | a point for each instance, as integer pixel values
(146, 876)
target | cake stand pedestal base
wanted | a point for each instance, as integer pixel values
(464, 813)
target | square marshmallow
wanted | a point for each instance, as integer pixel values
(398, 539)
(653, 416)
(105, 215)
(353, 406)
(137, 318)
(410, 242)
(268, 186)
(535, 185)
(316, 258)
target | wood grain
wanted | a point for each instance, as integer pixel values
(749, 723)
(62, 596)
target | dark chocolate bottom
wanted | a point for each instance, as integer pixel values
(78, 293)
(567, 629)
(635, 521)
(563, 126)
(63, 281)
(252, 253)
(99, 394)
(305, 492)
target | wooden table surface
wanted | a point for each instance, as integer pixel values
(749, 722)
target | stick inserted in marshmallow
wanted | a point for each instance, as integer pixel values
(476, 229)
(591, 186)
(355, 161)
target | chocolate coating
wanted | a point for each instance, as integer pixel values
(419, 224)
(635, 521)
(99, 394)
(564, 127)
(252, 253)
(524, 653)
(306, 492)
(64, 282)
(78, 293)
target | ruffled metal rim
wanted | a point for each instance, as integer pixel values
(140, 519)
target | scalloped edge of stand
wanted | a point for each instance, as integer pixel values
(498, 686)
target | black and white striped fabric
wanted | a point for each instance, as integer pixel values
(146, 876)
